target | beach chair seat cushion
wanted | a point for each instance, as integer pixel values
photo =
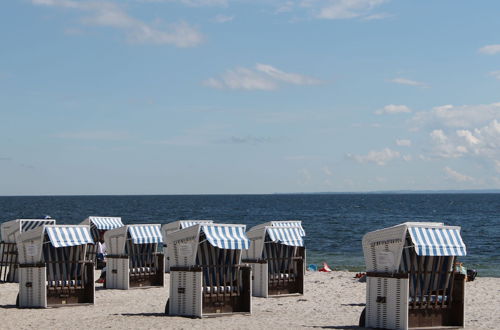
(142, 270)
(282, 276)
(219, 289)
(64, 283)
(425, 299)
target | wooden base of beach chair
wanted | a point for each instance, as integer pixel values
(230, 302)
(120, 276)
(34, 291)
(187, 297)
(73, 294)
(267, 285)
(451, 317)
(8, 263)
(149, 276)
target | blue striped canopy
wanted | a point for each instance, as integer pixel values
(143, 234)
(28, 224)
(437, 241)
(226, 237)
(106, 223)
(290, 223)
(287, 235)
(61, 236)
(190, 223)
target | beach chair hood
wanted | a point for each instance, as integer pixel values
(139, 234)
(180, 224)
(9, 229)
(428, 239)
(103, 223)
(282, 223)
(186, 241)
(30, 243)
(226, 236)
(288, 232)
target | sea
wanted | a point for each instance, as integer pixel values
(334, 223)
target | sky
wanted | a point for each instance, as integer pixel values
(227, 97)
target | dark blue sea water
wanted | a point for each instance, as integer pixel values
(334, 223)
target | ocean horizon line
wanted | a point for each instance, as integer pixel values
(374, 192)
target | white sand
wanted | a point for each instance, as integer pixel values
(332, 300)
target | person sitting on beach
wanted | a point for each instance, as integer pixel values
(101, 257)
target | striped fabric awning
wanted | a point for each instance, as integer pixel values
(28, 224)
(435, 241)
(226, 237)
(287, 235)
(143, 234)
(190, 223)
(106, 223)
(290, 223)
(61, 236)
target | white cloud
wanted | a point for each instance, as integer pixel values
(409, 82)
(94, 135)
(223, 18)
(342, 9)
(290, 78)
(304, 176)
(393, 109)
(377, 16)
(249, 139)
(456, 176)
(263, 77)
(458, 116)
(403, 143)
(443, 147)
(327, 171)
(490, 49)
(285, 7)
(407, 158)
(479, 143)
(193, 3)
(200, 3)
(467, 135)
(242, 78)
(439, 136)
(495, 74)
(380, 158)
(109, 14)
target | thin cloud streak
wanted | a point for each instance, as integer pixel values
(262, 77)
(109, 14)
(393, 109)
(490, 49)
(408, 82)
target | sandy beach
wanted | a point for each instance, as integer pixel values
(332, 300)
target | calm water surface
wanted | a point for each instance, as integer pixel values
(334, 223)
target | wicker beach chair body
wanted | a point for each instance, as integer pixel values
(171, 227)
(206, 276)
(277, 256)
(99, 224)
(411, 278)
(8, 248)
(133, 260)
(52, 266)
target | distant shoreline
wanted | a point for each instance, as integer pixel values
(382, 192)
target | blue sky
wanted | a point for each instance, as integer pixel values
(221, 96)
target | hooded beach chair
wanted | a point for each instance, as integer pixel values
(98, 226)
(171, 227)
(411, 277)
(133, 259)
(8, 248)
(206, 277)
(277, 255)
(52, 266)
